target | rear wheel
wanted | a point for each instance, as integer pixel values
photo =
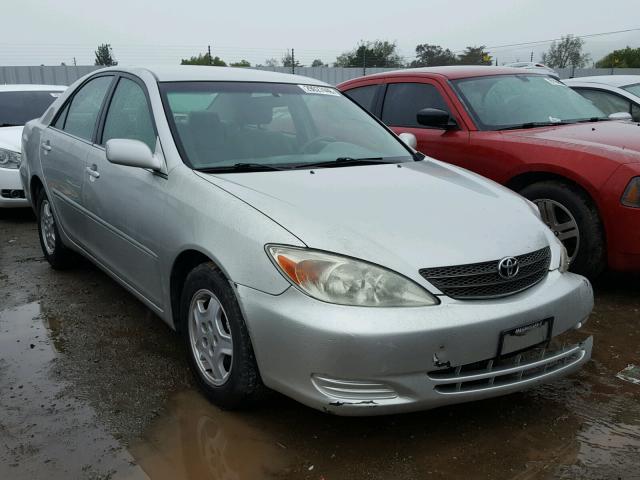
(220, 351)
(573, 218)
(58, 256)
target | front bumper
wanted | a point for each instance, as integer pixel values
(10, 186)
(369, 361)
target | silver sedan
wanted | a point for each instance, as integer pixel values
(297, 244)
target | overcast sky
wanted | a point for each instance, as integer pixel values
(34, 32)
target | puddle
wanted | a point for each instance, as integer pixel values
(44, 429)
(196, 440)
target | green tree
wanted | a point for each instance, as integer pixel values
(318, 63)
(241, 63)
(104, 55)
(379, 53)
(287, 61)
(204, 59)
(624, 58)
(475, 56)
(432, 56)
(566, 53)
(271, 62)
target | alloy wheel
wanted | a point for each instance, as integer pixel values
(47, 227)
(210, 337)
(562, 223)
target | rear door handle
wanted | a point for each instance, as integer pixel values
(93, 172)
(46, 146)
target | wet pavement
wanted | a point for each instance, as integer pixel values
(93, 385)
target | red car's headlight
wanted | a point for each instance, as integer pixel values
(631, 195)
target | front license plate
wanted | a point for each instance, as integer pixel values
(524, 337)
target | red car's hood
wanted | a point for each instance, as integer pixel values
(619, 141)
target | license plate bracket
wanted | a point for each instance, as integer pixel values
(524, 337)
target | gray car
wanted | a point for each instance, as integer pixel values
(298, 244)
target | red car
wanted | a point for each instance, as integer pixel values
(533, 134)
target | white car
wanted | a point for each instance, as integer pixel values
(18, 105)
(534, 66)
(611, 93)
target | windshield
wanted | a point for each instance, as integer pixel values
(222, 124)
(635, 89)
(17, 108)
(507, 101)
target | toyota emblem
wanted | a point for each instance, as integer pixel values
(508, 267)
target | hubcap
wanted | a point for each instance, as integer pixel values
(210, 337)
(47, 227)
(562, 223)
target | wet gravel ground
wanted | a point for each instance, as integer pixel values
(93, 385)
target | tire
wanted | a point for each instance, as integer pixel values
(230, 381)
(58, 256)
(588, 253)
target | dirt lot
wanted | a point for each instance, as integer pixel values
(92, 385)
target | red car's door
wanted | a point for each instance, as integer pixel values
(402, 101)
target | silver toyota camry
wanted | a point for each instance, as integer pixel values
(298, 245)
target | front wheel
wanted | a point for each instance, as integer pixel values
(220, 351)
(573, 218)
(58, 256)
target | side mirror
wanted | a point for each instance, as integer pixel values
(434, 117)
(131, 153)
(620, 116)
(409, 139)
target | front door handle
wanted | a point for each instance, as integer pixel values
(93, 172)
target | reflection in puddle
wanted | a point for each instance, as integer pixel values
(197, 440)
(45, 430)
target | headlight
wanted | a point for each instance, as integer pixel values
(9, 158)
(346, 281)
(631, 195)
(534, 208)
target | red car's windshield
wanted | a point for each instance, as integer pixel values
(507, 101)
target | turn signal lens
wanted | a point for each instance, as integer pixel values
(346, 281)
(631, 195)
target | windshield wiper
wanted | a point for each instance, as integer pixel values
(531, 125)
(240, 167)
(341, 161)
(593, 119)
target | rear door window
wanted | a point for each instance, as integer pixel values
(403, 101)
(85, 107)
(363, 96)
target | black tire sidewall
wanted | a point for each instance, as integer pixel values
(243, 383)
(591, 258)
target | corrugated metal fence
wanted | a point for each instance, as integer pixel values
(67, 74)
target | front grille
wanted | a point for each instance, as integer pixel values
(482, 280)
(528, 365)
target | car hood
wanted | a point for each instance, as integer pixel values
(10, 138)
(617, 140)
(421, 214)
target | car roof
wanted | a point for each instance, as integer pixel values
(202, 73)
(613, 80)
(31, 88)
(454, 72)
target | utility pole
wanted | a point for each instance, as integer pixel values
(74, 62)
(293, 60)
(531, 56)
(209, 51)
(364, 61)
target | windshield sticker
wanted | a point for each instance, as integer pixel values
(319, 90)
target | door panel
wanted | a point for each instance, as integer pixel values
(126, 205)
(63, 159)
(64, 148)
